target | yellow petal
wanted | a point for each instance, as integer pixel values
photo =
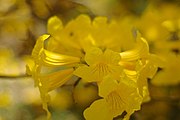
(93, 55)
(115, 103)
(170, 70)
(50, 58)
(39, 47)
(130, 77)
(99, 71)
(143, 86)
(98, 111)
(54, 25)
(74, 33)
(130, 96)
(55, 59)
(99, 22)
(99, 26)
(149, 70)
(132, 74)
(106, 86)
(157, 60)
(84, 72)
(111, 57)
(50, 82)
(88, 42)
(130, 65)
(83, 18)
(53, 80)
(122, 97)
(30, 65)
(169, 25)
(141, 50)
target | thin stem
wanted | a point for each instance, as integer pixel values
(14, 76)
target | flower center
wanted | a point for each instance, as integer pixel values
(102, 68)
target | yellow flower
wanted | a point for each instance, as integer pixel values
(139, 65)
(117, 97)
(45, 80)
(141, 50)
(99, 64)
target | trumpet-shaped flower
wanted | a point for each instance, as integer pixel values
(117, 97)
(49, 81)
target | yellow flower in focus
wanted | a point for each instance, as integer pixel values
(117, 97)
(99, 64)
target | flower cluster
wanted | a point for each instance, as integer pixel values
(96, 52)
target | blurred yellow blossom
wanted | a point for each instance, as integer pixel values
(44, 11)
(84, 94)
(169, 75)
(15, 66)
(162, 34)
(164, 25)
(5, 99)
(153, 30)
(61, 99)
(16, 22)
